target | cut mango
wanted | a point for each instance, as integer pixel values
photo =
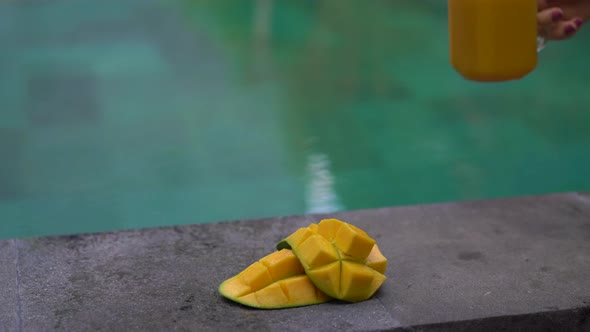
(350, 240)
(277, 280)
(342, 260)
(376, 260)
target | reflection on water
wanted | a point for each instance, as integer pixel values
(121, 114)
(320, 196)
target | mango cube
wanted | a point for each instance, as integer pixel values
(376, 260)
(328, 228)
(356, 282)
(316, 251)
(353, 243)
(327, 278)
(282, 263)
(256, 276)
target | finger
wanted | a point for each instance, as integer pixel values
(552, 3)
(541, 5)
(548, 16)
(564, 29)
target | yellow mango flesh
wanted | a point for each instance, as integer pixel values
(349, 239)
(376, 260)
(277, 280)
(342, 260)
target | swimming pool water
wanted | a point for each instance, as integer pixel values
(126, 114)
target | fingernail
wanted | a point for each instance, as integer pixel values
(579, 22)
(556, 16)
(569, 30)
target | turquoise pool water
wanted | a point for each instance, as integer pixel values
(124, 114)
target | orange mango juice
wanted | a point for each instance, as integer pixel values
(493, 40)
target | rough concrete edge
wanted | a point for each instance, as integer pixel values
(575, 319)
(583, 196)
(314, 217)
(19, 303)
(12, 301)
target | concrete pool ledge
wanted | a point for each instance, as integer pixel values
(506, 264)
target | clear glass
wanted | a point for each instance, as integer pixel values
(541, 39)
(541, 43)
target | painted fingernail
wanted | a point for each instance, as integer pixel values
(569, 30)
(556, 16)
(579, 22)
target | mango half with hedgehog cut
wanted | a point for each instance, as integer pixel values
(275, 281)
(342, 260)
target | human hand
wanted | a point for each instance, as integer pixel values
(561, 19)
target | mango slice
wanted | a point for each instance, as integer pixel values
(277, 280)
(341, 259)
